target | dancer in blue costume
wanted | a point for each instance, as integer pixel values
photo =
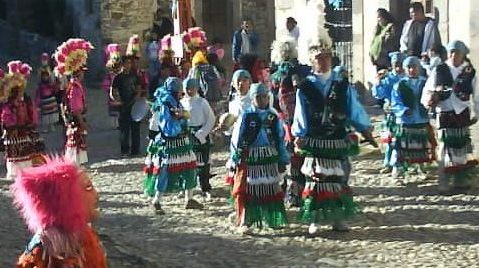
(326, 108)
(382, 92)
(259, 153)
(413, 143)
(173, 161)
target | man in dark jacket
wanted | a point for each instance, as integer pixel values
(127, 85)
(245, 40)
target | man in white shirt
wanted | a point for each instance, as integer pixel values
(293, 29)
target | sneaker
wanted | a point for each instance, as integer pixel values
(193, 204)
(158, 209)
(340, 227)
(313, 228)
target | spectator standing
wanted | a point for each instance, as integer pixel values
(384, 41)
(420, 33)
(245, 40)
(127, 84)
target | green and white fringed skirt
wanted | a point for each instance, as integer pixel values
(413, 144)
(456, 153)
(151, 169)
(327, 201)
(326, 196)
(172, 166)
(264, 202)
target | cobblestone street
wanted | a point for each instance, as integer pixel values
(400, 226)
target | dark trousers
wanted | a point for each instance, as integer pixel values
(129, 129)
(204, 178)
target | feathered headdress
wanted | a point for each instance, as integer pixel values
(114, 55)
(199, 58)
(166, 52)
(321, 46)
(50, 196)
(194, 38)
(133, 48)
(18, 73)
(71, 56)
(283, 50)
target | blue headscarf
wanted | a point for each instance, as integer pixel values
(458, 46)
(190, 83)
(396, 57)
(411, 61)
(164, 94)
(173, 84)
(258, 89)
(241, 73)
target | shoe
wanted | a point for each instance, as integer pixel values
(386, 170)
(313, 228)
(340, 227)
(395, 173)
(158, 209)
(244, 230)
(232, 217)
(180, 195)
(207, 195)
(193, 204)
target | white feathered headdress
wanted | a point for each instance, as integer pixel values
(284, 49)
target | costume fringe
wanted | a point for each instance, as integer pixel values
(413, 144)
(260, 213)
(455, 137)
(328, 210)
(331, 149)
(180, 181)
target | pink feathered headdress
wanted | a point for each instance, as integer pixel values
(114, 55)
(194, 38)
(50, 196)
(133, 48)
(71, 56)
(18, 73)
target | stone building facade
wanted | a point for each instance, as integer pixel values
(105, 21)
(121, 19)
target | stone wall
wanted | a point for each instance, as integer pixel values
(121, 19)
(261, 12)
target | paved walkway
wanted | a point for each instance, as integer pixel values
(401, 226)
